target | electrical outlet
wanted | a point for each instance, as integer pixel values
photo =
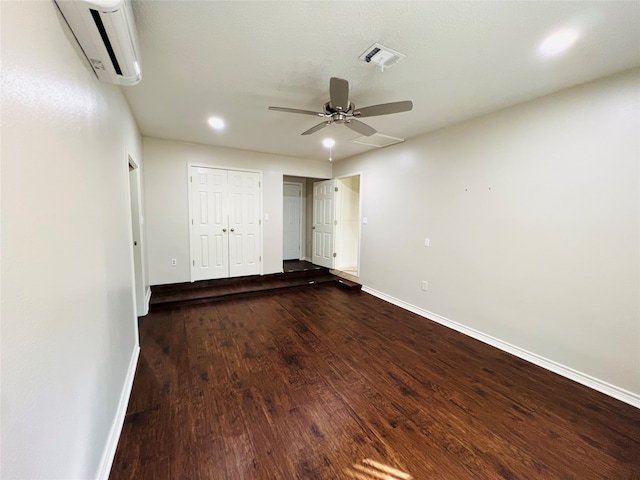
(425, 285)
(174, 262)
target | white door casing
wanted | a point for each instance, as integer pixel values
(292, 217)
(225, 223)
(324, 201)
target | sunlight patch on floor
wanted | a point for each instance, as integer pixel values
(369, 469)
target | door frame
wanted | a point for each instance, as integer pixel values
(190, 214)
(357, 174)
(303, 244)
(141, 296)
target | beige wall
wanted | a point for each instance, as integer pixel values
(347, 233)
(533, 215)
(167, 205)
(69, 333)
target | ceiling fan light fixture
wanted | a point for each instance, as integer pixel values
(329, 143)
(339, 110)
(382, 56)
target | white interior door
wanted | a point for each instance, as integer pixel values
(292, 233)
(209, 224)
(324, 223)
(244, 223)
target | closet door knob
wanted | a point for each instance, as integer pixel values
(224, 230)
(232, 230)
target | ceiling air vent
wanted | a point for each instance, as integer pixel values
(381, 55)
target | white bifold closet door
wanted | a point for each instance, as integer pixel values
(225, 223)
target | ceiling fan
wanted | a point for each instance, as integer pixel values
(340, 110)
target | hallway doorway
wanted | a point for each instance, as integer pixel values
(292, 221)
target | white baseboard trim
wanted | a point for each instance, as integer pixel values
(116, 427)
(582, 378)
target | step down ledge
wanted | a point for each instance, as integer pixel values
(232, 295)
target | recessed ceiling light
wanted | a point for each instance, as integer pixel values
(328, 142)
(558, 42)
(216, 123)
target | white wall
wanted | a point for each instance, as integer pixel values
(167, 203)
(69, 331)
(533, 215)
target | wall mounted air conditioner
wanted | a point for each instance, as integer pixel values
(106, 33)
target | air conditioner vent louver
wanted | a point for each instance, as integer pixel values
(106, 33)
(105, 39)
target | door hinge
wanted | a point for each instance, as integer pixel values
(335, 222)
(260, 222)
(194, 263)
(259, 184)
(191, 179)
(336, 188)
(260, 258)
(335, 254)
(192, 221)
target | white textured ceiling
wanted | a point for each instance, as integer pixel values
(235, 58)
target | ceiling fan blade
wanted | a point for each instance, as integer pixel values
(360, 127)
(296, 110)
(384, 109)
(339, 94)
(320, 126)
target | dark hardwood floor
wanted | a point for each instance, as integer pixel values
(321, 383)
(299, 266)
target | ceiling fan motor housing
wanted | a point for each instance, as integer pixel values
(329, 110)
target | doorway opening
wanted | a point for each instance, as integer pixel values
(141, 297)
(293, 231)
(326, 221)
(297, 223)
(347, 241)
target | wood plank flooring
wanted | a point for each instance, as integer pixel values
(316, 383)
(299, 266)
